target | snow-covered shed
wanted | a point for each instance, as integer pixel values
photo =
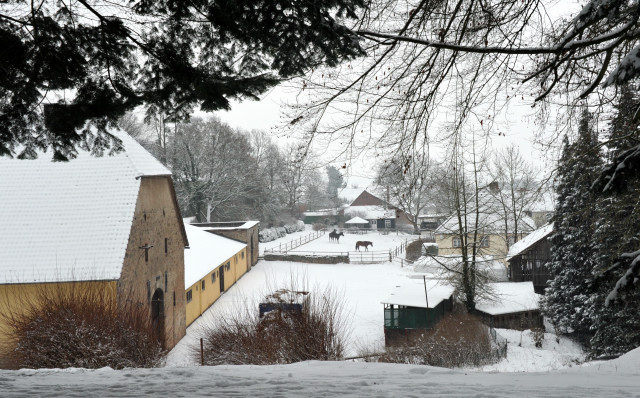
(213, 264)
(512, 305)
(414, 306)
(357, 223)
(528, 258)
(111, 221)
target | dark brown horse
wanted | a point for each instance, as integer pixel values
(335, 236)
(364, 243)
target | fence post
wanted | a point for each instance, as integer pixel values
(201, 352)
(390, 258)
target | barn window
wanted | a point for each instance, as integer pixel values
(166, 245)
(189, 296)
(484, 242)
(203, 285)
(213, 277)
(387, 223)
(374, 223)
(148, 290)
(174, 299)
(242, 255)
(166, 281)
(457, 242)
(227, 266)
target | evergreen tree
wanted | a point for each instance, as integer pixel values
(616, 327)
(573, 257)
(169, 55)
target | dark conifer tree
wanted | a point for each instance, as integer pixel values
(573, 257)
(616, 326)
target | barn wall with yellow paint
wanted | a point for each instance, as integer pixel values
(201, 299)
(16, 299)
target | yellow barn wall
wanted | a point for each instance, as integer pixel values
(203, 299)
(17, 298)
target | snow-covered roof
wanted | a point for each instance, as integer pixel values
(370, 212)
(231, 225)
(438, 265)
(206, 252)
(411, 293)
(357, 220)
(529, 240)
(70, 221)
(510, 297)
(349, 194)
(489, 222)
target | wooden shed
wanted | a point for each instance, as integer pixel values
(513, 306)
(528, 258)
(414, 307)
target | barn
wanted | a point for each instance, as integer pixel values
(212, 265)
(110, 221)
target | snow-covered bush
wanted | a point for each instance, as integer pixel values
(80, 326)
(314, 333)
(269, 234)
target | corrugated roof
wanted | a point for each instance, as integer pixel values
(70, 221)
(206, 252)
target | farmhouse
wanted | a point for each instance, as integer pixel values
(111, 222)
(378, 213)
(491, 238)
(212, 265)
(414, 307)
(513, 306)
(528, 258)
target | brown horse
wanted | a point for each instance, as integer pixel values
(364, 243)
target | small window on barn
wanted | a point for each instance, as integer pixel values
(484, 242)
(227, 266)
(242, 255)
(213, 277)
(374, 223)
(203, 285)
(456, 242)
(189, 296)
(387, 223)
(166, 245)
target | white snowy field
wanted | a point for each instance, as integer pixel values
(555, 370)
(616, 378)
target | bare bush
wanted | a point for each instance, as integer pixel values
(78, 325)
(318, 226)
(316, 331)
(460, 339)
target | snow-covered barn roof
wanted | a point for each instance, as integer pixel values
(370, 212)
(510, 297)
(489, 222)
(411, 293)
(437, 265)
(357, 220)
(206, 252)
(226, 225)
(70, 221)
(529, 240)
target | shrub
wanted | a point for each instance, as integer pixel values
(79, 326)
(280, 336)
(460, 339)
(318, 226)
(414, 250)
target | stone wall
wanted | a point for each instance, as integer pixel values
(158, 269)
(307, 259)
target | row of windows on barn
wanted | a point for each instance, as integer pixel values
(457, 242)
(214, 275)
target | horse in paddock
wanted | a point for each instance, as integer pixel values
(335, 236)
(364, 243)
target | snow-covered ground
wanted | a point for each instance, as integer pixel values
(555, 370)
(616, 378)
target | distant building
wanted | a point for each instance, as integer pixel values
(109, 222)
(379, 214)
